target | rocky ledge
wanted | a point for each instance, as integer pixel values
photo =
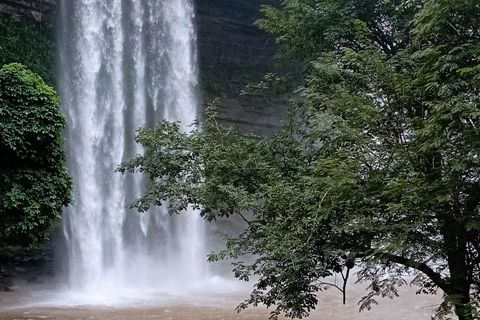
(40, 11)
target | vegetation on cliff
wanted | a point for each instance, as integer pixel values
(27, 43)
(377, 166)
(34, 183)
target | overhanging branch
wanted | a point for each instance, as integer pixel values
(422, 267)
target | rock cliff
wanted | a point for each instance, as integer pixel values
(227, 36)
(231, 53)
(40, 11)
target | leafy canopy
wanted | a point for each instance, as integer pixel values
(34, 183)
(377, 165)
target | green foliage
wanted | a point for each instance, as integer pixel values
(377, 165)
(28, 44)
(34, 183)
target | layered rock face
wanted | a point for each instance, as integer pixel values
(40, 11)
(227, 36)
(233, 52)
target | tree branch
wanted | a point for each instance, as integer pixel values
(422, 267)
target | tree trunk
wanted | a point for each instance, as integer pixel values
(460, 277)
(463, 309)
(3, 285)
(456, 250)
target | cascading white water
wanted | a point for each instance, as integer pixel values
(125, 64)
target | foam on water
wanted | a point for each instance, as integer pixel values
(209, 292)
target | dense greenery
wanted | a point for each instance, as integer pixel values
(34, 183)
(27, 43)
(376, 167)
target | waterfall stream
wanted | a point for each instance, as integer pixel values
(124, 64)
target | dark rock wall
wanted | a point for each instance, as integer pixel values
(227, 36)
(40, 11)
(233, 52)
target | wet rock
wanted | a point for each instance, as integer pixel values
(26, 265)
(40, 11)
(232, 53)
(227, 36)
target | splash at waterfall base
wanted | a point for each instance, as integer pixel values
(217, 299)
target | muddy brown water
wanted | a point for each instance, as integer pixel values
(35, 303)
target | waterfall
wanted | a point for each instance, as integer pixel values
(124, 64)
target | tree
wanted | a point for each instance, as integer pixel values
(377, 166)
(34, 183)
